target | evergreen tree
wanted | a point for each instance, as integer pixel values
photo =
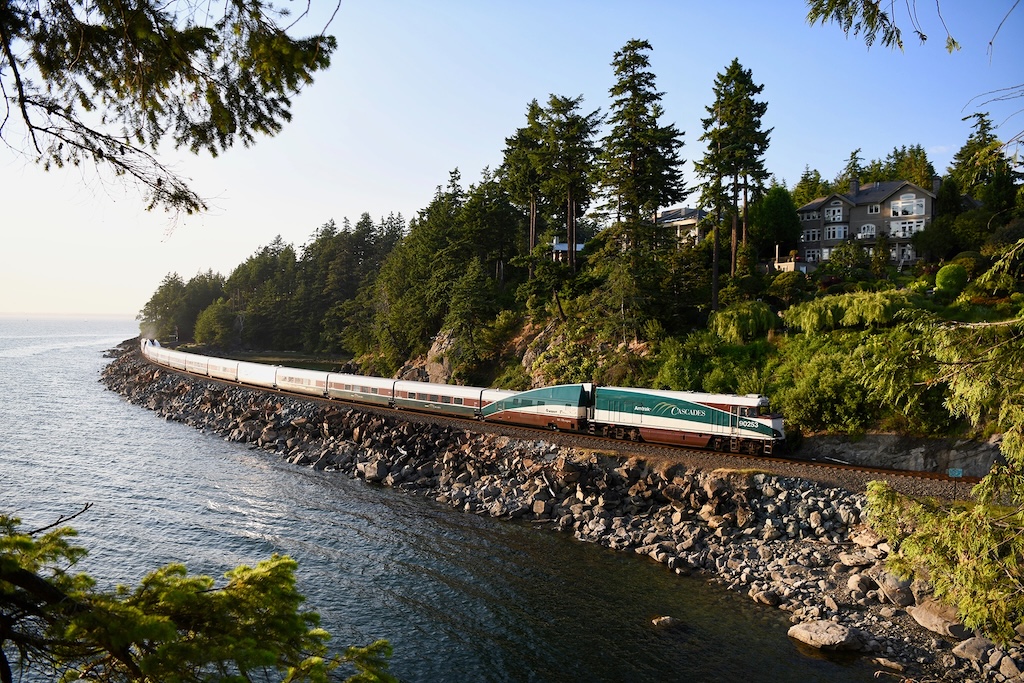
(490, 226)
(155, 71)
(736, 145)
(811, 186)
(982, 168)
(639, 160)
(911, 164)
(161, 316)
(519, 172)
(172, 627)
(971, 554)
(774, 222)
(851, 171)
(640, 172)
(566, 161)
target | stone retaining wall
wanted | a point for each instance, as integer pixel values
(972, 458)
(788, 543)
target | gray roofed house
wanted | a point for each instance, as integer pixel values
(685, 221)
(897, 209)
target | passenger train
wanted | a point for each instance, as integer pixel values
(722, 422)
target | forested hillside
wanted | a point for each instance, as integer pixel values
(473, 283)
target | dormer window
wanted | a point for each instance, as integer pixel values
(875, 208)
(834, 213)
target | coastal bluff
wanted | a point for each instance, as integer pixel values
(788, 543)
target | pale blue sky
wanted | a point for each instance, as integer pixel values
(418, 89)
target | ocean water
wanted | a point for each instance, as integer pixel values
(461, 597)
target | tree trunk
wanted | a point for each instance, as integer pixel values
(570, 231)
(533, 231)
(745, 181)
(714, 265)
(735, 224)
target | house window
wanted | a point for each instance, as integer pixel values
(908, 205)
(866, 232)
(875, 208)
(812, 235)
(835, 232)
(834, 214)
(904, 229)
(825, 253)
(812, 255)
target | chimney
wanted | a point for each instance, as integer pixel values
(854, 187)
(936, 184)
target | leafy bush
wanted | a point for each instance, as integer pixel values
(743, 321)
(951, 279)
(817, 386)
(856, 310)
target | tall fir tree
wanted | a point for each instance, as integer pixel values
(811, 186)
(640, 172)
(639, 160)
(982, 168)
(565, 159)
(520, 173)
(736, 146)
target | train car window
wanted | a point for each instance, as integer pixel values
(540, 403)
(433, 397)
(446, 399)
(458, 401)
(421, 397)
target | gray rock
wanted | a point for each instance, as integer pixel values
(860, 583)
(864, 558)
(375, 471)
(895, 589)
(938, 618)
(666, 622)
(768, 597)
(866, 537)
(827, 635)
(973, 649)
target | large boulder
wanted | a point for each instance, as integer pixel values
(974, 649)
(896, 590)
(938, 618)
(827, 635)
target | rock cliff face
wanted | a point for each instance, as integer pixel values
(788, 543)
(973, 459)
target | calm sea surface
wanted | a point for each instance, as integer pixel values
(460, 597)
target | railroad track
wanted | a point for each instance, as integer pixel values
(840, 474)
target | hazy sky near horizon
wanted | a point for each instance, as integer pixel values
(418, 89)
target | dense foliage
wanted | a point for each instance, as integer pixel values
(171, 627)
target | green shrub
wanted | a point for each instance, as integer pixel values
(951, 279)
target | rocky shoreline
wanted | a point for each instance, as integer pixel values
(786, 542)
